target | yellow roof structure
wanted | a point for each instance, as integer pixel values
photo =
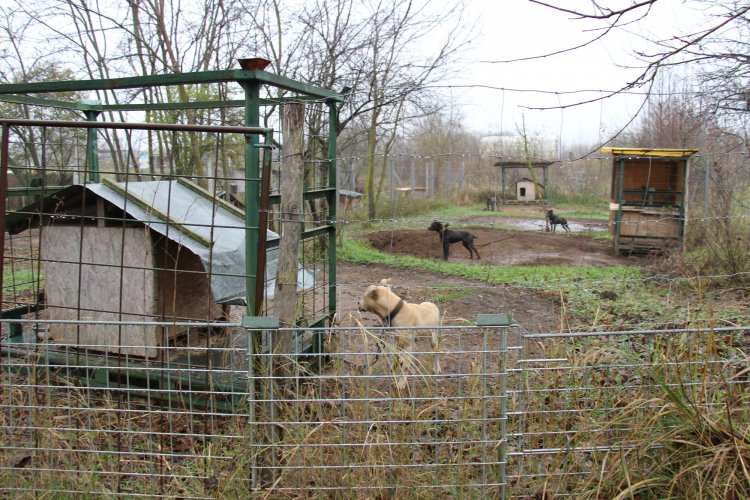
(667, 153)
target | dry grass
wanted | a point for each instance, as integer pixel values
(657, 416)
(660, 418)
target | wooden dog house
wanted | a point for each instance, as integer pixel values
(525, 190)
(139, 252)
(649, 198)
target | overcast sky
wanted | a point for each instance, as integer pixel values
(511, 29)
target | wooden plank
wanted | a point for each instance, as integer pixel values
(649, 224)
(675, 153)
(184, 288)
(292, 173)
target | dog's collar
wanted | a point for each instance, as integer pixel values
(389, 318)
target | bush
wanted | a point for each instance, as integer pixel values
(721, 245)
(398, 207)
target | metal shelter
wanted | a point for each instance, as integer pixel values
(253, 80)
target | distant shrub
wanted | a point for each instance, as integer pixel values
(398, 207)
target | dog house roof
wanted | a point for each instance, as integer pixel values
(186, 214)
(650, 152)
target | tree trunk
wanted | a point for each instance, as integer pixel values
(292, 172)
(372, 139)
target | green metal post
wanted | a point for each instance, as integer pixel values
(502, 451)
(92, 158)
(332, 202)
(256, 327)
(252, 193)
(4, 153)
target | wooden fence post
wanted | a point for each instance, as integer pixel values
(292, 218)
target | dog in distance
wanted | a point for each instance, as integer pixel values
(449, 236)
(554, 220)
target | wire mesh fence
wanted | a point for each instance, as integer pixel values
(590, 405)
(158, 244)
(80, 419)
(220, 414)
(131, 367)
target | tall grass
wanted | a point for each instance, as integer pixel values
(660, 416)
(643, 416)
(347, 433)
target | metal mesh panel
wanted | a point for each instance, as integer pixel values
(581, 402)
(230, 416)
(79, 419)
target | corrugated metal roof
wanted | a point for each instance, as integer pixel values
(353, 194)
(189, 216)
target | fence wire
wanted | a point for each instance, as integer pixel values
(217, 407)
(220, 413)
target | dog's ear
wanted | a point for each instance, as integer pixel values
(373, 294)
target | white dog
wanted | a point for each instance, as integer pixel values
(395, 311)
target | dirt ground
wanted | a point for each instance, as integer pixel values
(461, 299)
(533, 310)
(501, 247)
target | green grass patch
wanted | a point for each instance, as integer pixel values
(359, 252)
(445, 294)
(457, 212)
(591, 296)
(21, 279)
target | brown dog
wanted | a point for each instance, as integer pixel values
(394, 311)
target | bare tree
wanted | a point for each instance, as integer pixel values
(396, 80)
(172, 37)
(672, 118)
(383, 53)
(51, 154)
(146, 37)
(718, 47)
(386, 53)
(440, 137)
